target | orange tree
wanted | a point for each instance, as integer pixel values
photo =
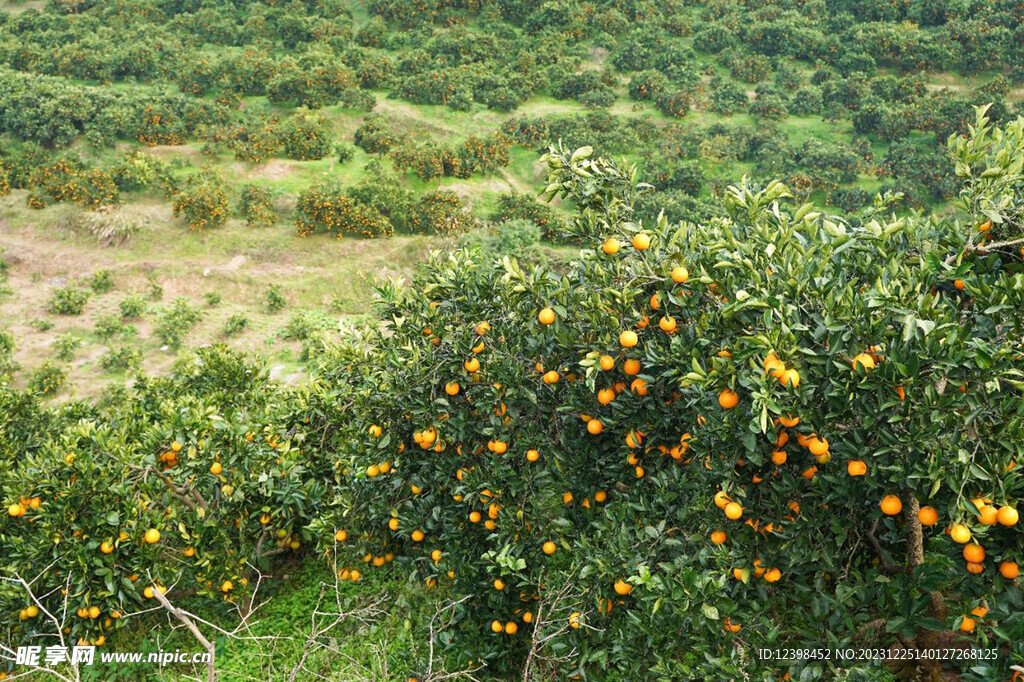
(779, 428)
(187, 484)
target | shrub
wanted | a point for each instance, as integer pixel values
(510, 238)
(518, 206)
(439, 213)
(257, 206)
(202, 202)
(274, 301)
(109, 326)
(102, 281)
(326, 208)
(385, 193)
(738, 425)
(374, 135)
(303, 324)
(68, 300)
(236, 324)
(175, 321)
(64, 347)
(155, 289)
(211, 299)
(305, 136)
(47, 380)
(132, 307)
(122, 359)
(344, 152)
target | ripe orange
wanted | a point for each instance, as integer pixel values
(511, 628)
(639, 386)
(733, 511)
(891, 505)
(551, 377)
(641, 242)
(611, 246)
(974, 553)
(631, 367)
(680, 275)
(1009, 570)
(817, 446)
(452, 388)
(967, 625)
(606, 362)
(855, 467)
(718, 537)
(975, 568)
(499, 584)
(216, 468)
(988, 515)
(107, 547)
(574, 620)
(372, 471)
(959, 533)
(789, 421)
(496, 626)
(772, 575)
(790, 377)
(721, 499)
(527, 617)
(436, 555)
(1007, 516)
(960, 284)
(779, 457)
(475, 517)
(471, 365)
(728, 399)
(546, 316)
(864, 360)
(628, 339)
(375, 430)
(549, 547)
(227, 586)
(567, 498)
(152, 536)
(667, 324)
(483, 328)
(532, 455)
(622, 588)
(655, 301)
(341, 535)
(605, 396)
(928, 516)
(594, 427)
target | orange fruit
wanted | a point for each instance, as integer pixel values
(639, 386)
(546, 316)
(216, 468)
(891, 505)
(641, 242)
(600, 496)
(680, 275)
(817, 446)
(789, 421)
(628, 339)
(1009, 570)
(341, 535)
(733, 511)
(375, 430)
(928, 516)
(772, 575)
(606, 362)
(605, 396)
(622, 588)
(496, 626)
(728, 399)
(960, 284)
(574, 620)
(790, 377)
(549, 547)
(532, 455)
(721, 499)
(959, 533)
(631, 367)
(511, 628)
(551, 377)
(779, 457)
(1007, 516)
(855, 467)
(451, 388)
(499, 584)
(988, 515)
(471, 365)
(611, 246)
(974, 553)
(594, 427)
(667, 324)
(967, 625)
(975, 568)
(151, 537)
(475, 517)
(864, 360)
(718, 537)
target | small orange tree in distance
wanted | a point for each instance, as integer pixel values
(781, 428)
